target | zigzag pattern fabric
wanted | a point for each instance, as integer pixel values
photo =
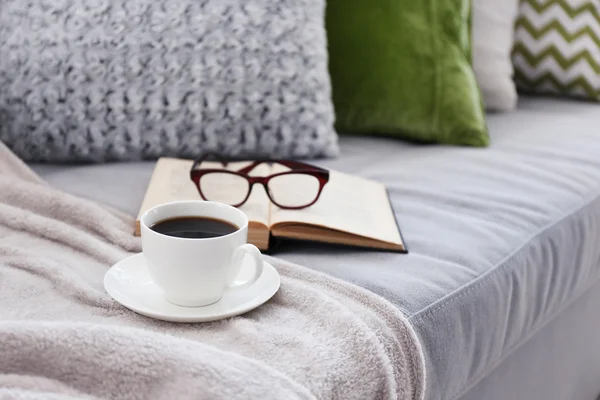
(557, 47)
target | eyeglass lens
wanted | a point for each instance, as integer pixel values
(293, 190)
(224, 187)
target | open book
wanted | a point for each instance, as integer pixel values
(351, 210)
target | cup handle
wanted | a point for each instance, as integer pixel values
(238, 258)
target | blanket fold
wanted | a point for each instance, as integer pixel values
(62, 336)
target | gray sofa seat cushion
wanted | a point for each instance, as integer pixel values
(501, 239)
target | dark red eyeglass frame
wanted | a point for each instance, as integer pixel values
(295, 167)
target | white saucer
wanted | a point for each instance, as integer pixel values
(129, 283)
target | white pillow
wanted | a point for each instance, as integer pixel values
(493, 34)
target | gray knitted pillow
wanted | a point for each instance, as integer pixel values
(99, 80)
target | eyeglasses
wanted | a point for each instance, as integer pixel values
(298, 186)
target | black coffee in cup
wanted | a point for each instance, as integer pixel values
(194, 227)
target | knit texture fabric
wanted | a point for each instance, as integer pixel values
(102, 80)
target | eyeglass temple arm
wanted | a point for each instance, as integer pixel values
(208, 157)
(244, 170)
(293, 165)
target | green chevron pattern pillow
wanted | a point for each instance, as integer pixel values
(557, 47)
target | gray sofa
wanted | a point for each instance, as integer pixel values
(502, 280)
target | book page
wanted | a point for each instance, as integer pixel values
(171, 182)
(350, 204)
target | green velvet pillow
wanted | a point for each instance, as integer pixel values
(403, 68)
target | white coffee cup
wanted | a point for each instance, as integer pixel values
(197, 272)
